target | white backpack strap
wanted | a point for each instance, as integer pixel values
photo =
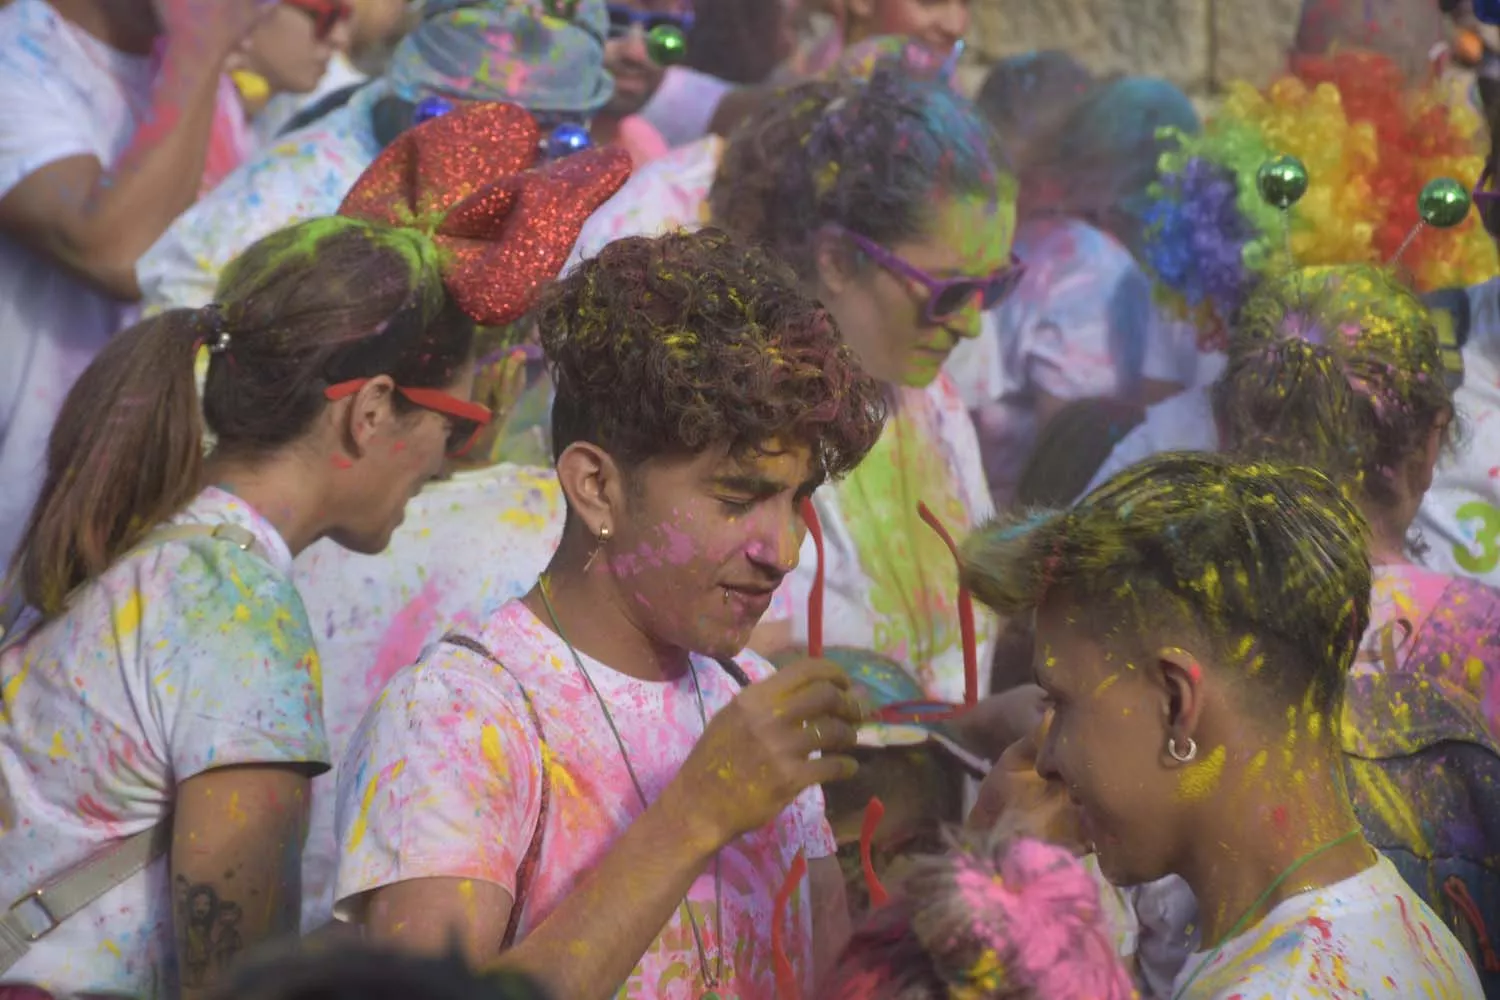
(39, 912)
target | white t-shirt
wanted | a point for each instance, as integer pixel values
(684, 104)
(304, 175)
(665, 195)
(66, 94)
(889, 585)
(1368, 937)
(1460, 516)
(284, 107)
(468, 545)
(445, 776)
(1079, 324)
(182, 658)
(1184, 422)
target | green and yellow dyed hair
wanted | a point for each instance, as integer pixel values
(1340, 368)
(1267, 564)
(318, 303)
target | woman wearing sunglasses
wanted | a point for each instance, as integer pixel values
(164, 711)
(889, 197)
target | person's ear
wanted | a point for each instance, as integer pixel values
(1428, 458)
(594, 486)
(835, 265)
(1180, 675)
(365, 415)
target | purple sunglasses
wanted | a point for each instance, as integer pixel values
(945, 296)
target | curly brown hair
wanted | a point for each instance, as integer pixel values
(675, 344)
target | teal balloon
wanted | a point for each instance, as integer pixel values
(1444, 203)
(1282, 181)
(666, 45)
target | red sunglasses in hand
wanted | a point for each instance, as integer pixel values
(903, 712)
(326, 14)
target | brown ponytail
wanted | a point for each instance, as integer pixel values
(312, 305)
(125, 454)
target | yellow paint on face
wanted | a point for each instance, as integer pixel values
(1105, 684)
(59, 750)
(1200, 780)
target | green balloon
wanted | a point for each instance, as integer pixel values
(666, 45)
(1282, 181)
(1443, 203)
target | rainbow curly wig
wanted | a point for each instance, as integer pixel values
(1369, 141)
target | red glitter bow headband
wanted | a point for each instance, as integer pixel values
(504, 223)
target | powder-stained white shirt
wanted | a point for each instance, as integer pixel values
(181, 658)
(1369, 937)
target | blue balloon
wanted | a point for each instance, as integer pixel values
(1487, 11)
(567, 139)
(429, 108)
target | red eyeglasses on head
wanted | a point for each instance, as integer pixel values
(465, 418)
(326, 14)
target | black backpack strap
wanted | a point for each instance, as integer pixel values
(734, 670)
(526, 874)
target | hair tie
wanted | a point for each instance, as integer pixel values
(218, 328)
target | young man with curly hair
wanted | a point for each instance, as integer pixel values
(598, 775)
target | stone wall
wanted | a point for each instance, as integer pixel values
(1197, 44)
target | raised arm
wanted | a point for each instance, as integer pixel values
(237, 839)
(752, 761)
(98, 222)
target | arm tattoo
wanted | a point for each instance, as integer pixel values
(209, 934)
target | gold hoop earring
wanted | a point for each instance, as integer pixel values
(603, 537)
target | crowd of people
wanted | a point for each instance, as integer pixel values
(565, 499)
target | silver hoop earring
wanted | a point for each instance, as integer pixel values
(1182, 756)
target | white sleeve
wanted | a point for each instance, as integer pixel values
(37, 126)
(684, 104)
(424, 792)
(241, 681)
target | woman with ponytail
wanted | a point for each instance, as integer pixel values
(993, 919)
(161, 687)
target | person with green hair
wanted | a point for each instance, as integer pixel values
(1197, 618)
(162, 683)
(1342, 368)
